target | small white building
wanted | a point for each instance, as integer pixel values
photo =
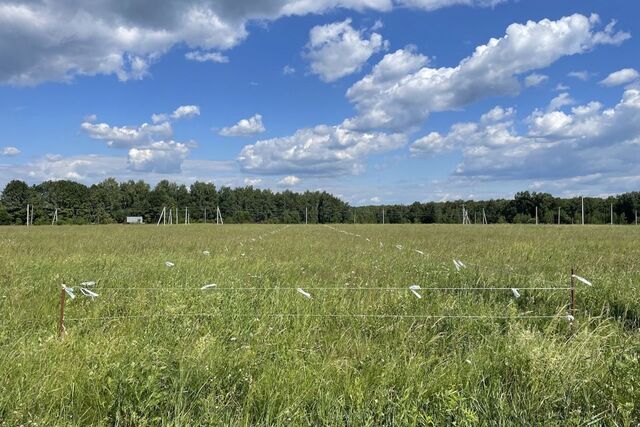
(134, 220)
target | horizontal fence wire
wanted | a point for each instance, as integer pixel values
(325, 288)
(311, 315)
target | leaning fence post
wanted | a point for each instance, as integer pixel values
(63, 298)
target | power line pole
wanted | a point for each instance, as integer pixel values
(383, 215)
(611, 213)
(306, 215)
(582, 210)
(558, 215)
(536, 215)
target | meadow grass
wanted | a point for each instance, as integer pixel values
(153, 349)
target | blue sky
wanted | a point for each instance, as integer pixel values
(378, 101)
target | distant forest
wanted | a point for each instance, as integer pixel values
(111, 202)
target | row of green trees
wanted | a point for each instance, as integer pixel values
(111, 202)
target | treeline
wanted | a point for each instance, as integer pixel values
(111, 202)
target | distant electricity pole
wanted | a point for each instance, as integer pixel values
(218, 216)
(582, 210)
(536, 215)
(611, 213)
(558, 215)
(383, 215)
(465, 215)
(306, 216)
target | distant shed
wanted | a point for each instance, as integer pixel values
(134, 220)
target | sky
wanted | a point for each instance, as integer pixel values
(376, 101)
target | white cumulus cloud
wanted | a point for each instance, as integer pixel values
(337, 50)
(399, 94)
(580, 75)
(588, 140)
(252, 181)
(245, 127)
(158, 157)
(621, 77)
(202, 56)
(321, 150)
(127, 136)
(9, 151)
(289, 181)
(535, 79)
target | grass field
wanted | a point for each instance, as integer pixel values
(154, 349)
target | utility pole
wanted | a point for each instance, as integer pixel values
(558, 215)
(611, 213)
(536, 215)
(306, 215)
(582, 210)
(383, 215)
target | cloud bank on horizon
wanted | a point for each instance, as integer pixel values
(544, 102)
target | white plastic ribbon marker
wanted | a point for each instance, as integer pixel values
(582, 279)
(169, 264)
(206, 253)
(86, 284)
(303, 292)
(88, 293)
(69, 291)
(515, 292)
(205, 287)
(414, 289)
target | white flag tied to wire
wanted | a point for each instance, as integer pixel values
(303, 292)
(414, 289)
(206, 253)
(515, 292)
(459, 264)
(420, 252)
(69, 291)
(169, 264)
(582, 279)
(210, 286)
(570, 318)
(87, 284)
(399, 247)
(88, 293)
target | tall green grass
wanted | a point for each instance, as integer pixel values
(170, 354)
